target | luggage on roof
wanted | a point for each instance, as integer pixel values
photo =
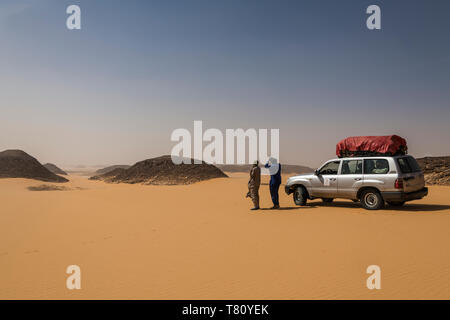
(371, 146)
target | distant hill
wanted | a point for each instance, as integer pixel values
(285, 168)
(109, 176)
(436, 170)
(162, 171)
(19, 164)
(52, 168)
(111, 168)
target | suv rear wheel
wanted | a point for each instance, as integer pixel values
(300, 196)
(371, 199)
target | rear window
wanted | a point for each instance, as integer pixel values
(376, 166)
(408, 165)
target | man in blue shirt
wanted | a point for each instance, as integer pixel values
(275, 180)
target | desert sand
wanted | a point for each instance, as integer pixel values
(201, 241)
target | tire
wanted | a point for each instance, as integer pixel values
(396, 203)
(299, 196)
(327, 200)
(371, 199)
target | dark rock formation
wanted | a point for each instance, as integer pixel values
(19, 164)
(162, 171)
(111, 168)
(52, 168)
(436, 170)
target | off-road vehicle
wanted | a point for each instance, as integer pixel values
(370, 180)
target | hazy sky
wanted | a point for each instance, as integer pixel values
(114, 91)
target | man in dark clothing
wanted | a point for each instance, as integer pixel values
(275, 180)
(253, 184)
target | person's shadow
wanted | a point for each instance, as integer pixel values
(289, 208)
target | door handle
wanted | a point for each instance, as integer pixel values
(358, 179)
(332, 179)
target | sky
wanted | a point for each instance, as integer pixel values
(113, 92)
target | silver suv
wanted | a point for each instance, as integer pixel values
(371, 180)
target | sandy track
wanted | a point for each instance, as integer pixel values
(202, 242)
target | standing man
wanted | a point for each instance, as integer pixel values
(275, 180)
(253, 184)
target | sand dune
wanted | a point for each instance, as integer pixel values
(202, 242)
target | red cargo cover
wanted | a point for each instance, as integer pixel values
(371, 145)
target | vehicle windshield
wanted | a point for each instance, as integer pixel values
(408, 165)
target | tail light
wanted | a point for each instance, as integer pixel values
(399, 183)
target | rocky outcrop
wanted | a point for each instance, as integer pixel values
(162, 171)
(19, 164)
(52, 168)
(436, 170)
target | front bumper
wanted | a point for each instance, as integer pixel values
(403, 196)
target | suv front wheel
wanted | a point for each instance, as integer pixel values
(371, 199)
(299, 196)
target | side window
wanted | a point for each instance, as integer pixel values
(351, 167)
(376, 166)
(330, 168)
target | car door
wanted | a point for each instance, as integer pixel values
(379, 174)
(324, 183)
(350, 178)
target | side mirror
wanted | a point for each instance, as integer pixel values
(317, 173)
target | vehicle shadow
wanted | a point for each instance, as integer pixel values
(419, 207)
(408, 207)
